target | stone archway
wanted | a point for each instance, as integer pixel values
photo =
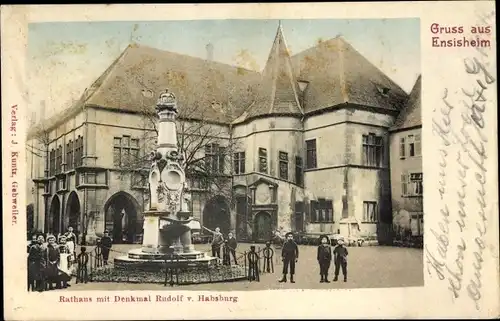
(121, 212)
(216, 213)
(262, 230)
(55, 216)
(72, 215)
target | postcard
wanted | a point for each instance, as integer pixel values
(250, 161)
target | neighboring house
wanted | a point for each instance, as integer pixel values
(306, 141)
(406, 165)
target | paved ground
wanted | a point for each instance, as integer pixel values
(368, 267)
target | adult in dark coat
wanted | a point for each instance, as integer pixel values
(53, 256)
(37, 262)
(324, 258)
(290, 256)
(106, 244)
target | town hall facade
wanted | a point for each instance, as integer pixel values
(302, 146)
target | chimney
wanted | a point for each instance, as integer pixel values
(210, 52)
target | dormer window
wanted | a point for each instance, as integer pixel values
(303, 85)
(384, 91)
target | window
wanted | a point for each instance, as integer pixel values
(372, 150)
(402, 148)
(322, 211)
(370, 212)
(418, 145)
(417, 187)
(91, 178)
(404, 184)
(214, 158)
(415, 145)
(298, 171)
(125, 151)
(411, 145)
(239, 163)
(283, 161)
(69, 155)
(262, 160)
(311, 153)
(412, 184)
(59, 159)
(61, 184)
(78, 151)
(52, 162)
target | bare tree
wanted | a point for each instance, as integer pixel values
(208, 149)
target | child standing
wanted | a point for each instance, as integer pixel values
(324, 258)
(340, 254)
(106, 243)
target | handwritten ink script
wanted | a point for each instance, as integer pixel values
(14, 161)
(460, 235)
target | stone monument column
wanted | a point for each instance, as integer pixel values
(166, 183)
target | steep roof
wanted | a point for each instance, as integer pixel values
(205, 89)
(411, 114)
(338, 74)
(277, 92)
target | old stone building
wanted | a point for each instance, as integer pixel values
(303, 145)
(406, 165)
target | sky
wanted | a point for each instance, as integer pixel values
(64, 58)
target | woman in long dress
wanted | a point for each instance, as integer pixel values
(37, 263)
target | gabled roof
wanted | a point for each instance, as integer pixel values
(207, 90)
(411, 114)
(278, 91)
(339, 74)
(204, 89)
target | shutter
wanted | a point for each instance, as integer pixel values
(308, 212)
(329, 210)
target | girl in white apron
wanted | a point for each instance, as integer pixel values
(71, 243)
(65, 265)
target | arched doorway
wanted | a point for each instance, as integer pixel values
(242, 214)
(121, 217)
(217, 214)
(72, 215)
(262, 230)
(55, 216)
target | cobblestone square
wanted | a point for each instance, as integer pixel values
(368, 267)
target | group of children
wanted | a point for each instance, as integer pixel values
(50, 263)
(325, 257)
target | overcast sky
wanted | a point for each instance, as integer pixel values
(66, 57)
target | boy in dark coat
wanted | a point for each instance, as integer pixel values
(324, 258)
(340, 254)
(232, 244)
(290, 256)
(106, 244)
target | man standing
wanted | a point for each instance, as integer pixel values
(289, 255)
(217, 241)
